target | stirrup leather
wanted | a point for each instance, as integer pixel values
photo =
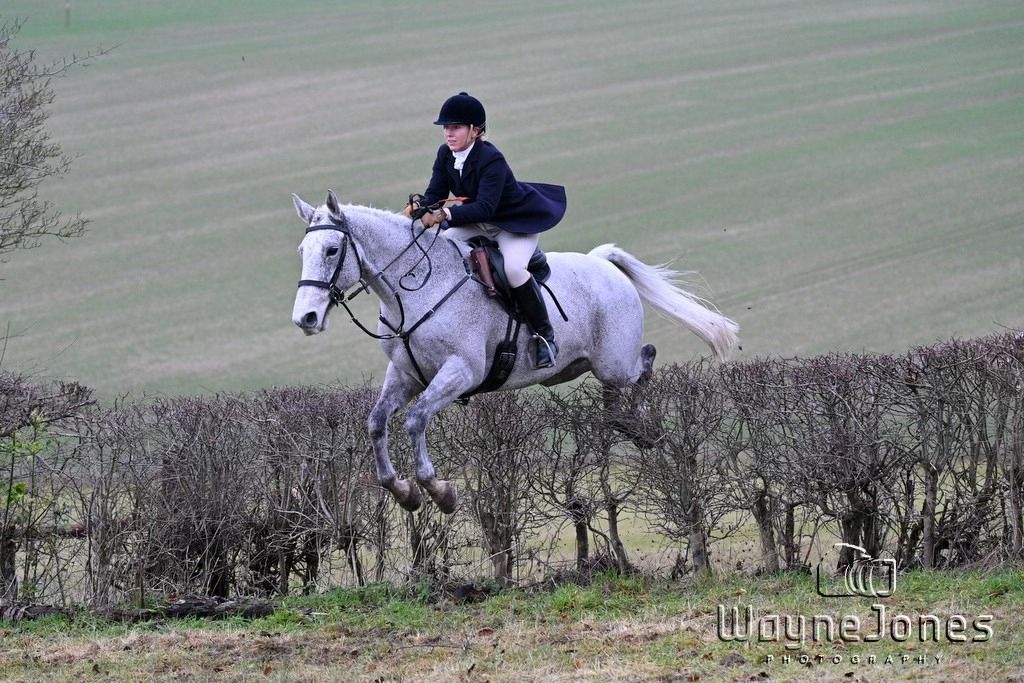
(482, 267)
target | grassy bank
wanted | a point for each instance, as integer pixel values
(612, 630)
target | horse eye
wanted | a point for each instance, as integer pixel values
(332, 251)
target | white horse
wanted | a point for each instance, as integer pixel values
(440, 330)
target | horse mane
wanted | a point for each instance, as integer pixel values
(370, 210)
(428, 239)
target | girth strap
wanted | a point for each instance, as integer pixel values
(504, 362)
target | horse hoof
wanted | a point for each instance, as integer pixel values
(443, 493)
(407, 495)
(638, 435)
(643, 442)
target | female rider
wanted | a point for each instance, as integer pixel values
(498, 207)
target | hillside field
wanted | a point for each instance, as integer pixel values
(842, 176)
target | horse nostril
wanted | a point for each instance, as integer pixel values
(309, 320)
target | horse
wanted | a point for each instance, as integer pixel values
(440, 330)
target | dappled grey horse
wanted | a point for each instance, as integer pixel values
(440, 330)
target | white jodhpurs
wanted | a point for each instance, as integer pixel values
(516, 248)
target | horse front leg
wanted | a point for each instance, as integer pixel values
(454, 378)
(397, 391)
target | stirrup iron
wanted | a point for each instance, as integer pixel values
(552, 352)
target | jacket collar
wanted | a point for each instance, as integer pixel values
(474, 154)
(464, 154)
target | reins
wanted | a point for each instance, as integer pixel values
(338, 297)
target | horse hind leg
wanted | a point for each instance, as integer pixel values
(647, 355)
(623, 406)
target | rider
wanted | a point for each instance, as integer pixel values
(498, 207)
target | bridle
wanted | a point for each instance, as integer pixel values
(338, 297)
(335, 293)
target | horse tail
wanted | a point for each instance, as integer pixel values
(660, 287)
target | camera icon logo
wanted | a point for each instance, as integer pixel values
(866, 576)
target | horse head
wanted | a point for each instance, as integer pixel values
(330, 263)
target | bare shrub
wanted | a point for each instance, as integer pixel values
(581, 476)
(964, 397)
(316, 483)
(1006, 368)
(494, 438)
(921, 455)
(205, 502)
(686, 496)
(845, 433)
(759, 458)
(111, 492)
(31, 485)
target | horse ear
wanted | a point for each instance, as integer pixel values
(334, 206)
(304, 210)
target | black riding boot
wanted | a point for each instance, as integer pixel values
(530, 301)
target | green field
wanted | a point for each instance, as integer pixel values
(843, 176)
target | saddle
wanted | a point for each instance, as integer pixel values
(488, 263)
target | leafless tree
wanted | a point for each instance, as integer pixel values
(28, 156)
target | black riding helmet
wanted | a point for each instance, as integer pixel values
(461, 108)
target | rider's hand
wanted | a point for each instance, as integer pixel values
(434, 218)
